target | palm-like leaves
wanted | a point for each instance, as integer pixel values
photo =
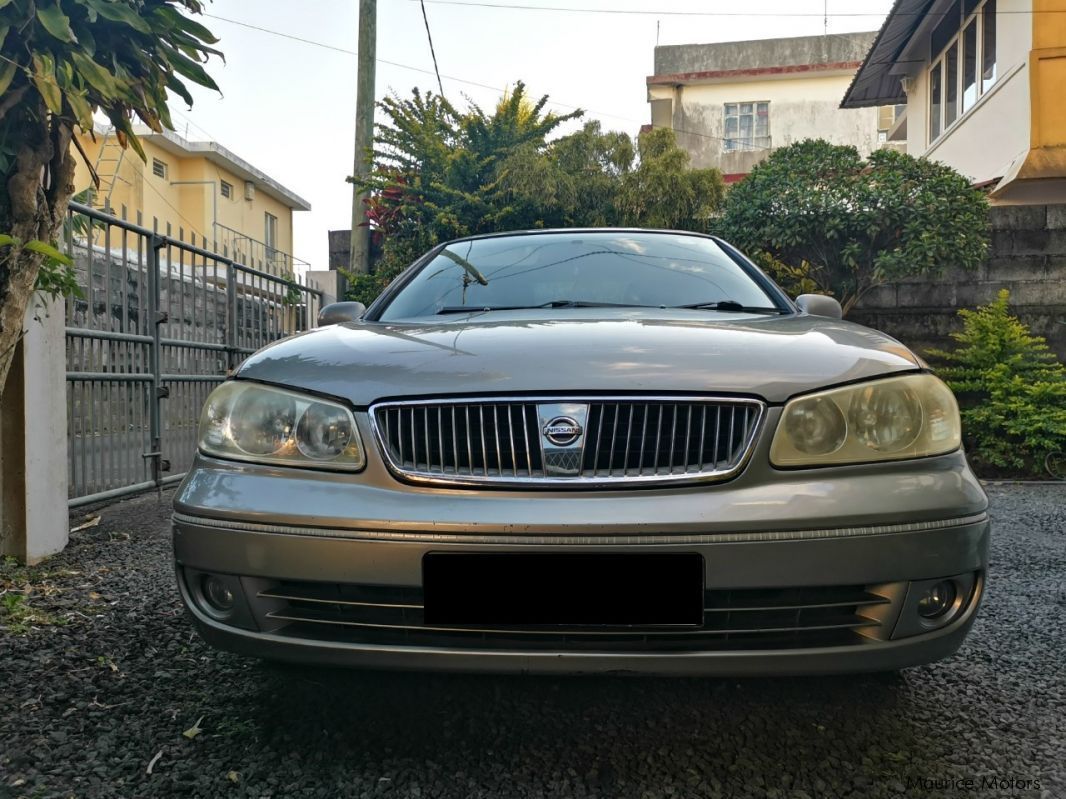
(64, 59)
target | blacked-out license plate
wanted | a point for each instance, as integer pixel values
(576, 589)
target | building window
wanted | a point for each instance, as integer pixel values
(226, 189)
(747, 126)
(969, 66)
(935, 106)
(270, 235)
(964, 39)
(159, 168)
(988, 47)
(886, 120)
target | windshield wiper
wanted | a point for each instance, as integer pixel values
(729, 305)
(479, 308)
(589, 304)
(448, 309)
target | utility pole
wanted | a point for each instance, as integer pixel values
(359, 249)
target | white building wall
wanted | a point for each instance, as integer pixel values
(800, 108)
(983, 142)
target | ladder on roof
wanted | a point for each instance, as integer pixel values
(108, 165)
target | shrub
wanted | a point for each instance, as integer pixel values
(821, 215)
(1011, 388)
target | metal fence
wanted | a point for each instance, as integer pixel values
(158, 324)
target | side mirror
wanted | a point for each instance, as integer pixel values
(820, 305)
(337, 313)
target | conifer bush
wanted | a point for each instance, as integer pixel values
(1011, 389)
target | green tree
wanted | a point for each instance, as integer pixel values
(663, 192)
(819, 213)
(440, 174)
(1011, 389)
(60, 62)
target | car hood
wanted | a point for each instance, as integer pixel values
(578, 351)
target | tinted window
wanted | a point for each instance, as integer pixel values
(639, 269)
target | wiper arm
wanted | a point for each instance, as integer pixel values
(479, 308)
(466, 265)
(729, 305)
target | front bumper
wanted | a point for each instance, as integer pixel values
(880, 533)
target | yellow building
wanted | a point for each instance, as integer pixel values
(197, 191)
(984, 83)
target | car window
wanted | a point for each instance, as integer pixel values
(615, 268)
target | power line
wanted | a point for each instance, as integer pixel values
(464, 81)
(283, 35)
(432, 52)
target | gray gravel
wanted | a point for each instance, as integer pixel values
(104, 675)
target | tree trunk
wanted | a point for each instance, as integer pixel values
(39, 186)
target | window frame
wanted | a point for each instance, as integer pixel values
(939, 126)
(270, 234)
(164, 168)
(225, 188)
(737, 143)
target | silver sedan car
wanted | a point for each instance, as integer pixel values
(584, 451)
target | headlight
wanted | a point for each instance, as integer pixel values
(910, 416)
(250, 422)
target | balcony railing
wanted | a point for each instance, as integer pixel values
(255, 253)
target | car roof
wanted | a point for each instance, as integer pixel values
(547, 231)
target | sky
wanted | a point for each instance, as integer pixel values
(288, 106)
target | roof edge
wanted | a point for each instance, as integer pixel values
(216, 153)
(675, 78)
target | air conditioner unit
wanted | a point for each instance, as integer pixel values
(249, 190)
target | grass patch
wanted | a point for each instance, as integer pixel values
(18, 583)
(18, 616)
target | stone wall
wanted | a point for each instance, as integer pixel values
(1027, 256)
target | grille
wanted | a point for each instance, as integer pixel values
(623, 440)
(733, 620)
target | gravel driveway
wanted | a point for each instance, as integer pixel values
(100, 676)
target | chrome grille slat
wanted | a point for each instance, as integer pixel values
(733, 618)
(627, 439)
(313, 616)
(440, 437)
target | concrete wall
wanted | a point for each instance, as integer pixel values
(1028, 257)
(758, 53)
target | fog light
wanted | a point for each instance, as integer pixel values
(217, 594)
(937, 600)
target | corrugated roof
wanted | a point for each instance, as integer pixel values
(875, 83)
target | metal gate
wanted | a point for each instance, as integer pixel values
(158, 324)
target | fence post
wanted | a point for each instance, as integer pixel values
(231, 317)
(156, 317)
(33, 438)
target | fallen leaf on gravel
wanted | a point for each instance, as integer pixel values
(233, 777)
(95, 520)
(153, 761)
(194, 730)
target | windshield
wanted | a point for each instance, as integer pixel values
(577, 269)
